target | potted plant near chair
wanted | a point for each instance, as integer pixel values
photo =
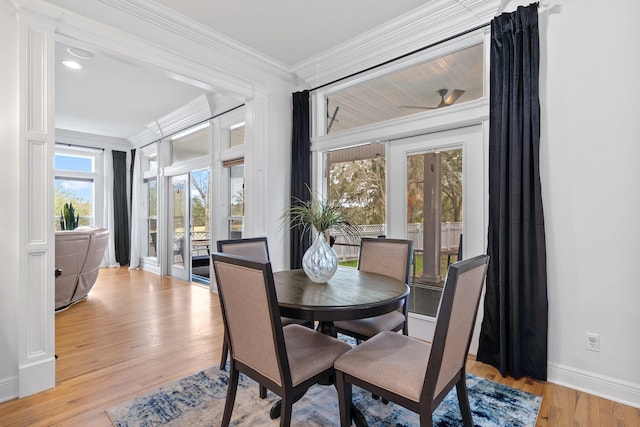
(68, 218)
(320, 261)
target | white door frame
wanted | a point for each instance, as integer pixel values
(474, 172)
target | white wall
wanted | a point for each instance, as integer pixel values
(589, 154)
(10, 217)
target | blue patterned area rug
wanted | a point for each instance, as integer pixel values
(198, 400)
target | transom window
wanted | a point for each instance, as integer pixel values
(429, 85)
(236, 135)
(191, 144)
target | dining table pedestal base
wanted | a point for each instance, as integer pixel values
(357, 417)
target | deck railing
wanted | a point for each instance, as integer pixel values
(449, 238)
(348, 249)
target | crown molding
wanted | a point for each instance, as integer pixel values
(146, 136)
(71, 137)
(39, 7)
(8, 6)
(144, 52)
(430, 23)
(169, 20)
(196, 111)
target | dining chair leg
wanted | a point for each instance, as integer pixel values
(463, 401)
(263, 391)
(231, 396)
(426, 419)
(344, 399)
(287, 409)
(225, 351)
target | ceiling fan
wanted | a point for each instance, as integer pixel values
(455, 94)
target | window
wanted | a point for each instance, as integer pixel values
(356, 180)
(149, 166)
(412, 185)
(152, 217)
(201, 192)
(429, 85)
(149, 159)
(77, 172)
(236, 135)
(434, 222)
(236, 201)
(191, 144)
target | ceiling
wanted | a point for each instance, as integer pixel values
(110, 97)
(114, 98)
(292, 30)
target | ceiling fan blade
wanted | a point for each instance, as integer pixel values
(419, 107)
(455, 94)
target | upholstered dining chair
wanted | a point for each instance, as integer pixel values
(414, 373)
(287, 360)
(255, 248)
(389, 257)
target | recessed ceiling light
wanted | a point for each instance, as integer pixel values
(79, 53)
(72, 64)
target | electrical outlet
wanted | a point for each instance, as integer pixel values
(592, 341)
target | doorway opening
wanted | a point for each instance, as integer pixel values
(189, 230)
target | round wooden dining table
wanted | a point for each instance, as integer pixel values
(349, 294)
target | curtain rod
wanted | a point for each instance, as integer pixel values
(191, 125)
(79, 146)
(429, 46)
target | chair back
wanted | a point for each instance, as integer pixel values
(454, 323)
(255, 248)
(389, 257)
(89, 273)
(251, 314)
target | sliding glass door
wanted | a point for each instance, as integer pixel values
(200, 233)
(189, 219)
(179, 224)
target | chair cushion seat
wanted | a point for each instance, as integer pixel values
(371, 326)
(387, 357)
(303, 350)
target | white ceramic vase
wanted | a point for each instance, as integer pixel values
(320, 261)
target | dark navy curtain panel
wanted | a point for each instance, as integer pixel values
(513, 337)
(300, 172)
(120, 207)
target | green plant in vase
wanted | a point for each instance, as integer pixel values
(320, 261)
(68, 218)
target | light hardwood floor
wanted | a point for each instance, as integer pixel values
(138, 331)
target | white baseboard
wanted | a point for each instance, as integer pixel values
(37, 377)
(8, 388)
(598, 385)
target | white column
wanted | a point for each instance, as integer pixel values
(255, 165)
(432, 217)
(36, 359)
